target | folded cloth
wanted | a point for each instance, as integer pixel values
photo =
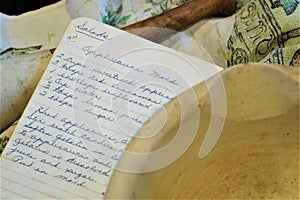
(266, 31)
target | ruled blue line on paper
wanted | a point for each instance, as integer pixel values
(41, 182)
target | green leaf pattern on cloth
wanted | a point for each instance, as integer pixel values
(113, 18)
(122, 13)
(11, 52)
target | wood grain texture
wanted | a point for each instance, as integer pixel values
(162, 25)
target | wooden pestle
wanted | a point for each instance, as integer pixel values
(158, 27)
(161, 26)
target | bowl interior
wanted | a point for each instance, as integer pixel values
(255, 157)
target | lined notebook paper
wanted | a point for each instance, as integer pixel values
(100, 87)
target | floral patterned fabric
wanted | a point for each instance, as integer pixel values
(121, 13)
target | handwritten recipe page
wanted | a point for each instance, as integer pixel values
(100, 87)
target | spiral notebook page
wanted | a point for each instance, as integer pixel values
(100, 87)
